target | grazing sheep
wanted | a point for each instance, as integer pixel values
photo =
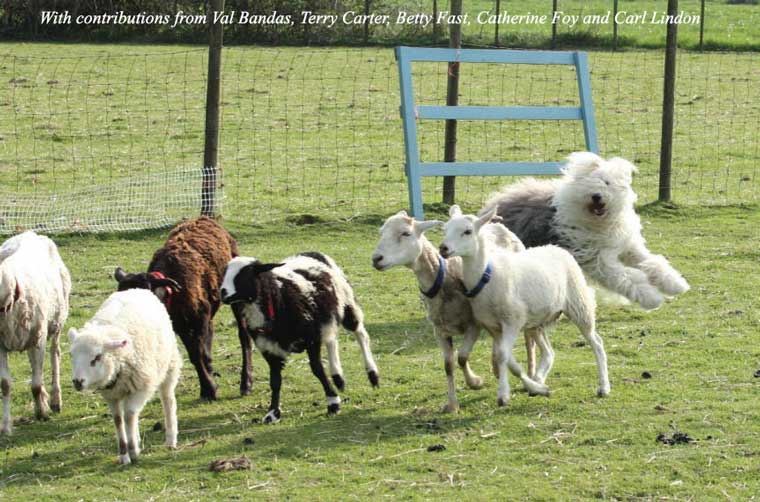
(34, 294)
(529, 289)
(126, 352)
(403, 243)
(293, 306)
(186, 274)
(589, 212)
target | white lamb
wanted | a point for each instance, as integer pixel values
(126, 352)
(403, 243)
(529, 289)
(34, 305)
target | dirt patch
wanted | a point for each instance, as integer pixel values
(676, 438)
(230, 464)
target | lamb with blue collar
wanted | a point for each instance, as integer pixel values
(530, 289)
(403, 243)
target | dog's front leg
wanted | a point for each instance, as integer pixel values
(658, 270)
(630, 282)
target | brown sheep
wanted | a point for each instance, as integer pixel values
(186, 274)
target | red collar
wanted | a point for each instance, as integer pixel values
(16, 296)
(169, 291)
(268, 318)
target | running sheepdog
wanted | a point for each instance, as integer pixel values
(589, 212)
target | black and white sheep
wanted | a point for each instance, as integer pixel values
(293, 306)
(34, 291)
(186, 274)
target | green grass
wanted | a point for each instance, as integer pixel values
(700, 349)
(317, 130)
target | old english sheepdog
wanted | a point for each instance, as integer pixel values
(589, 212)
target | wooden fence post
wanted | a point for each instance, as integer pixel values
(668, 105)
(452, 99)
(213, 85)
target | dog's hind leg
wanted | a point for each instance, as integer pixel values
(658, 270)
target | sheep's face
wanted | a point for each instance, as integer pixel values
(240, 279)
(92, 362)
(460, 234)
(400, 242)
(153, 281)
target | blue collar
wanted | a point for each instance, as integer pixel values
(481, 284)
(430, 293)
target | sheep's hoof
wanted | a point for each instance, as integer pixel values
(209, 395)
(333, 409)
(245, 388)
(123, 459)
(475, 383)
(272, 416)
(502, 401)
(450, 408)
(6, 430)
(339, 382)
(56, 407)
(374, 378)
(603, 392)
(43, 416)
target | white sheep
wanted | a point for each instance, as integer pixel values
(34, 294)
(126, 352)
(403, 243)
(512, 291)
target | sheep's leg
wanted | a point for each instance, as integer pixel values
(530, 348)
(195, 351)
(330, 338)
(588, 330)
(315, 361)
(5, 385)
(275, 382)
(353, 321)
(463, 355)
(506, 359)
(55, 368)
(133, 405)
(208, 342)
(121, 435)
(169, 403)
(37, 361)
(246, 370)
(627, 281)
(447, 346)
(657, 268)
(547, 355)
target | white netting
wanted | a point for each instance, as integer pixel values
(146, 200)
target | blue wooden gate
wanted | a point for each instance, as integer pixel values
(410, 112)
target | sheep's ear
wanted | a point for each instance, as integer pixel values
(402, 213)
(455, 211)
(166, 281)
(421, 227)
(72, 335)
(115, 344)
(485, 218)
(119, 274)
(260, 268)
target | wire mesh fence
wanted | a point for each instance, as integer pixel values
(317, 131)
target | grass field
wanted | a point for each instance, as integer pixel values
(317, 130)
(700, 350)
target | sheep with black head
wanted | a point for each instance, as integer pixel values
(294, 306)
(186, 274)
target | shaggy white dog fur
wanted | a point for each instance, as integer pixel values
(589, 212)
